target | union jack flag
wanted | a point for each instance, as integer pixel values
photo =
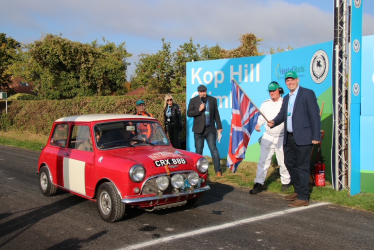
(243, 122)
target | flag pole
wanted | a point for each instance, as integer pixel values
(250, 99)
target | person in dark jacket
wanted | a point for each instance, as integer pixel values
(172, 120)
(300, 114)
(204, 109)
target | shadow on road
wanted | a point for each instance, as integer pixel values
(29, 219)
(216, 193)
(75, 243)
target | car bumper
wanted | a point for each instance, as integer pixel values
(130, 200)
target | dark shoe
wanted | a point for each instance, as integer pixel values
(257, 188)
(291, 197)
(285, 187)
(299, 203)
(219, 174)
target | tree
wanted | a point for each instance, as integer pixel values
(154, 71)
(188, 52)
(248, 47)
(165, 71)
(8, 52)
(60, 68)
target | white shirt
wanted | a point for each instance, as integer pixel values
(270, 110)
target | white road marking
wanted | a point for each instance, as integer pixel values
(220, 227)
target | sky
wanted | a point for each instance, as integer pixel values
(141, 24)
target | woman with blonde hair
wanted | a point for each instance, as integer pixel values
(172, 120)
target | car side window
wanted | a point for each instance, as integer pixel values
(81, 138)
(60, 135)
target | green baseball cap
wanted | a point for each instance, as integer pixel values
(138, 102)
(273, 86)
(291, 74)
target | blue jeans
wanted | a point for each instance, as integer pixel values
(211, 140)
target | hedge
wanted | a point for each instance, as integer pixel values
(38, 116)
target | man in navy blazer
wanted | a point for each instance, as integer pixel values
(203, 108)
(300, 114)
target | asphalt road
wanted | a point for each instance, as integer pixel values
(229, 218)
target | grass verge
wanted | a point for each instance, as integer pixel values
(23, 140)
(246, 173)
(243, 177)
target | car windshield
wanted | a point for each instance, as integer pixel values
(129, 134)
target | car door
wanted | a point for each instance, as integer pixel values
(56, 150)
(78, 161)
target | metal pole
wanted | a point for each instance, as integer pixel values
(250, 99)
(342, 98)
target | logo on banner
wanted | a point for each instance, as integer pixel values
(319, 66)
(357, 3)
(356, 89)
(280, 71)
(356, 45)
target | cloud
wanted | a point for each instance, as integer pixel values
(216, 21)
(142, 23)
(368, 25)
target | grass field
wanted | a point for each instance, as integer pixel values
(243, 177)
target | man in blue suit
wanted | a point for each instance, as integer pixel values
(300, 114)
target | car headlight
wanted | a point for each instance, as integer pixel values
(193, 178)
(202, 165)
(162, 182)
(177, 181)
(137, 173)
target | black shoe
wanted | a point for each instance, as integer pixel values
(257, 188)
(285, 187)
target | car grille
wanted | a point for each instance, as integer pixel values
(150, 186)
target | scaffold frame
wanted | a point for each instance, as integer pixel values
(341, 94)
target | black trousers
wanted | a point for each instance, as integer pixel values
(297, 161)
(174, 137)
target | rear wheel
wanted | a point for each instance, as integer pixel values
(109, 204)
(45, 183)
(196, 201)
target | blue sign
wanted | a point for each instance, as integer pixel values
(253, 75)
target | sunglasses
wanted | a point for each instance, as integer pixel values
(168, 100)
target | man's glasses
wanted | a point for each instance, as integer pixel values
(168, 100)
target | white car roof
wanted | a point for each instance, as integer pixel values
(100, 117)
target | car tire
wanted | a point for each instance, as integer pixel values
(109, 204)
(45, 183)
(196, 201)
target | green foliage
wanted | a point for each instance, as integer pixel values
(8, 52)
(38, 116)
(22, 96)
(165, 71)
(248, 47)
(61, 69)
(5, 122)
(211, 53)
(155, 71)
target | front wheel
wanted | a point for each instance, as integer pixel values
(45, 182)
(109, 204)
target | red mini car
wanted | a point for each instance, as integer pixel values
(119, 161)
